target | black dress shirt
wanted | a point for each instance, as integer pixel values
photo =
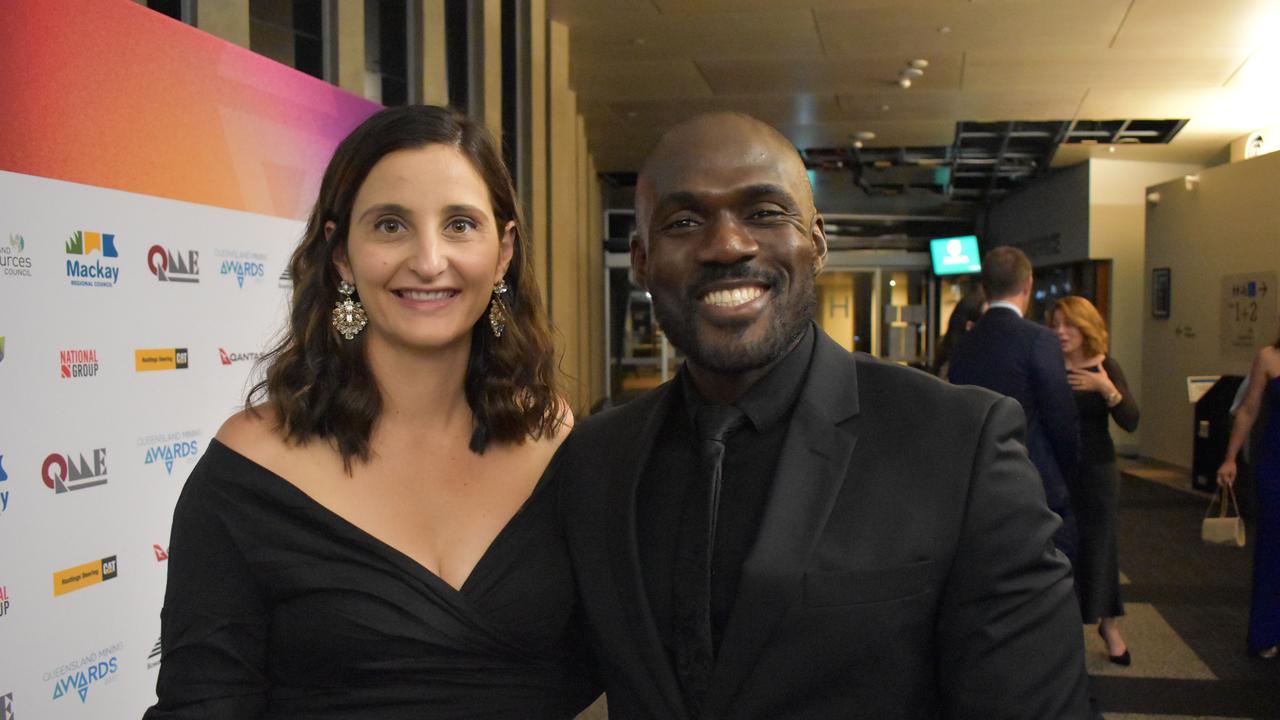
(751, 456)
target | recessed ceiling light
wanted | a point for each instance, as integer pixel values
(920, 63)
(944, 29)
(904, 82)
(884, 108)
(865, 135)
(912, 72)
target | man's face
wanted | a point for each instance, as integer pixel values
(733, 245)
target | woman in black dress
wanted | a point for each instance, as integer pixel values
(1101, 393)
(374, 536)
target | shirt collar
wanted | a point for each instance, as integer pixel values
(1005, 304)
(768, 401)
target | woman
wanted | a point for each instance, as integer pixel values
(963, 317)
(1100, 392)
(1264, 381)
(374, 536)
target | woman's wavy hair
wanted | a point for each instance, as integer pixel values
(1081, 314)
(320, 385)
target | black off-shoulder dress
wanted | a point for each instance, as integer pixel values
(278, 608)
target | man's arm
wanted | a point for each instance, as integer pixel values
(1009, 639)
(1058, 414)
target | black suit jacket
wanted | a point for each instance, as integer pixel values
(903, 567)
(1016, 357)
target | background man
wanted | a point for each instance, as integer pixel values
(787, 530)
(1016, 357)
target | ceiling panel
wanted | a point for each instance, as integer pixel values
(992, 69)
(655, 79)
(984, 106)
(578, 11)
(888, 134)
(761, 76)
(771, 109)
(1102, 102)
(790, 33)
(1185, 24)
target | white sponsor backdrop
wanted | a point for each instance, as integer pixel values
(85, 653)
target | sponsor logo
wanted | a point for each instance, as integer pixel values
(78, 677)
(14, 262)
(153, 659)
(150, 359)
(174, 266)
(78, 363)
(83, 243)
(232, 358)
(6, 706)
(83, 576)
(242, 265)
(170, 447)
(161, 553)
(4, 494)
(4, 602)
(1, 360)
(286, 278)
(62, 474)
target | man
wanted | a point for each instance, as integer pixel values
(1016, 357)
(787, 530)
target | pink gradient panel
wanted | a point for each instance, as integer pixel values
(109, 93)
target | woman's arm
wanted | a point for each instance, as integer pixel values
(1245, 416)
(1125, 411)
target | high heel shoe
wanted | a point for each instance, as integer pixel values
(1269, 653)
(1123, 659)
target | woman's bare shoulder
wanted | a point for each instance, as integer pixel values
(255, 433)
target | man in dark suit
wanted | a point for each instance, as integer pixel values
(1016, 357)
(787, 530)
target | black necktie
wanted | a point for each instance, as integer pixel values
(694, 653)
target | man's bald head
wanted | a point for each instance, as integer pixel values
(718, 141)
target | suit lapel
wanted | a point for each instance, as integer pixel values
(633, 599)
(811, 472)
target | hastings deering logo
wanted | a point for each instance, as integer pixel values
(100, 274)
(61, 473)
(150, 359)
(82, 576)
(174, 265)
(79, 363)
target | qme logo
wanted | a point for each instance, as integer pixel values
(83, 576)
(81, 675)
(78, 363)
(4, 603)
(14, 262)
(149, 359)
(153, 659)
(168, 448)
(242, 265)
(161, 553)
(62, 474)
(173, 265)
(231, 358)
(99, 274)
(4, 494)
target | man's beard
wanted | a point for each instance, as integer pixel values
(787, 321)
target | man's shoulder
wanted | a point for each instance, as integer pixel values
(890, 387)
(627, 418)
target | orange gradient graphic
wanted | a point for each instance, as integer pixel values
(109, 93)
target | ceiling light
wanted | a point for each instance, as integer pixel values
(912, 72)
(904, 82)
(944, 29)
(865, 135)
(920, 63)
(884, 108)
(857, 144)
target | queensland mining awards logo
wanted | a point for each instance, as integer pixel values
(149, 359)
(81, 675)
(94, 572)
(232, 358)
(14, 262)
(242, 265)
(78, 363)
(65, 473)
(168, 448)
(174, 265)
(84, 243)
(4, 494)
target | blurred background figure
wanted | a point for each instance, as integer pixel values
(1264, 382)
(963, 318)
(1100, 392)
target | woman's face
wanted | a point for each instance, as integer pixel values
(424, 250)
(1069, 336)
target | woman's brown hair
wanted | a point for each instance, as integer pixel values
(1082, 315)
(319, 385)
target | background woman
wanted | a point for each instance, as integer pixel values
(1100, 393)
(1264, 382)
(963, 317)
(376, 538)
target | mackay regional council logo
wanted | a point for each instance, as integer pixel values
(64, 473)
(173, 265)
(101, 272)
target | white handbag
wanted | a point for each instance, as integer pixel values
(1223, 529)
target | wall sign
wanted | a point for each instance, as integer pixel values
(1249, 313)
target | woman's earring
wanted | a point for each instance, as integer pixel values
(349, 317)
(498, 314)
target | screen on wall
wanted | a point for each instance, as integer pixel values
(955, 255)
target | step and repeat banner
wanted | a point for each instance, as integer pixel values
(153, 181)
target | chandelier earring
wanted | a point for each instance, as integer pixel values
(497, 310)
(349, 317)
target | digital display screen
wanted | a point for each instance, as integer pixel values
(955, 255)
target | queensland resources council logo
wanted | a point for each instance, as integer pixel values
(231, 358)
(14, 262)
(82, 576)
(4, 492)
(62, 473)
(242, 265)
(148, 359)
(78, 363)
(84, 243)
(166, 449)
(78, 677)
(4, 605)
(174, 265)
